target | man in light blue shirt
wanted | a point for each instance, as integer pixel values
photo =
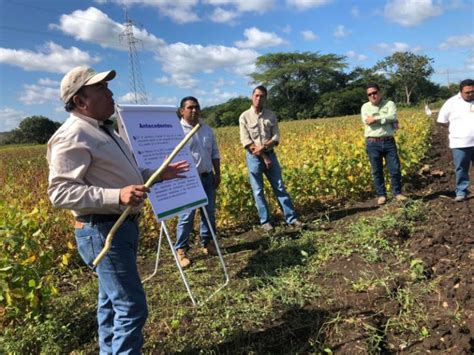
(203, 146)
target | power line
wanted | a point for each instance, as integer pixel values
(53, 11)
(135, 76)
(32, 31)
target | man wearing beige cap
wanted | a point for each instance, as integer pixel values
(93, 173)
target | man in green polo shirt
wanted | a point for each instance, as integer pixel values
(379, 117)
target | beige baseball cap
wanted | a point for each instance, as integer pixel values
(79, 77)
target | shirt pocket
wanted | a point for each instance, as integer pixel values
(207, 143)
(254, 131)
(268, 127)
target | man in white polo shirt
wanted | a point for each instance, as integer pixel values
(203, 146)
(458, 113)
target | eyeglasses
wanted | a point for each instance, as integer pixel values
(373, 93)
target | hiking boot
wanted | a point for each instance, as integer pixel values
(297, 224)
(182, 258)
(460, 198)
(381, 200)
(210, 249)
(267, 227)
(400, 198)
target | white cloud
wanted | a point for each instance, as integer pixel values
(470, 63)
(307, 4)
(458, 41)
(184, 81)
(10, 118)
(181, 11)
(50, 58)
(223, 16)
(287, 29)
(356, 56)
(341, 31)
(215, 96)
(221, 82)
(36, 94)
(166, 100)
(180, 61)
(411, 12)
(48, 82)
(128, 98)
(309, 35)
(94, 26)
(259, 39)
(355, 12)
(259, 6)
(390, 48)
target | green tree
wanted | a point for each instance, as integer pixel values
(33, 129)
(297, 80)
(226, 114)
(407, 72)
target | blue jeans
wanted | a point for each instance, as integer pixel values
(257, 169)
(377, 152)
(463, 158)
(186, 220)
(121, 308)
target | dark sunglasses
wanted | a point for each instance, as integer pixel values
(373, 93)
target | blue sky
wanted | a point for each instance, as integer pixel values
(207, 48)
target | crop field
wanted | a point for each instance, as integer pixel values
(323, 161)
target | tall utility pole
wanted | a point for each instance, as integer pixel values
(136, 83)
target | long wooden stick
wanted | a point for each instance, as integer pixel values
(150, 181)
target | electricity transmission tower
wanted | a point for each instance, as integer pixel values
(137, 87)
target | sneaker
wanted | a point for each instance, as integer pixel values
(381, 200)
(210, 249)
(182, 258)
(460, 198)
(267, 227)
(297, 223)
(400, 198)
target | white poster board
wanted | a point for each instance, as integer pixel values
(152, 132)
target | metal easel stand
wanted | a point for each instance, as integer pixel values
(183, 276)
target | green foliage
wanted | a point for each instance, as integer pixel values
(68, 323)
(26, 264)
(226, 114)
(297, 80)
(33, 129)
(408, 72)
(344, 102)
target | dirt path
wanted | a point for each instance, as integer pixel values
(444, 241)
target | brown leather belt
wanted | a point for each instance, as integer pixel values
(379, 139)
(102, 218)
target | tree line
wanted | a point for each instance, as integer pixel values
(313, 85)
(301, 86)
(31, 130)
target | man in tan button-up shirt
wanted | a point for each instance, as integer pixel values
(93, 173)
(259, 135)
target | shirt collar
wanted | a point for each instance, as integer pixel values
(186, 124)
(255, 110)
(88, 119)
